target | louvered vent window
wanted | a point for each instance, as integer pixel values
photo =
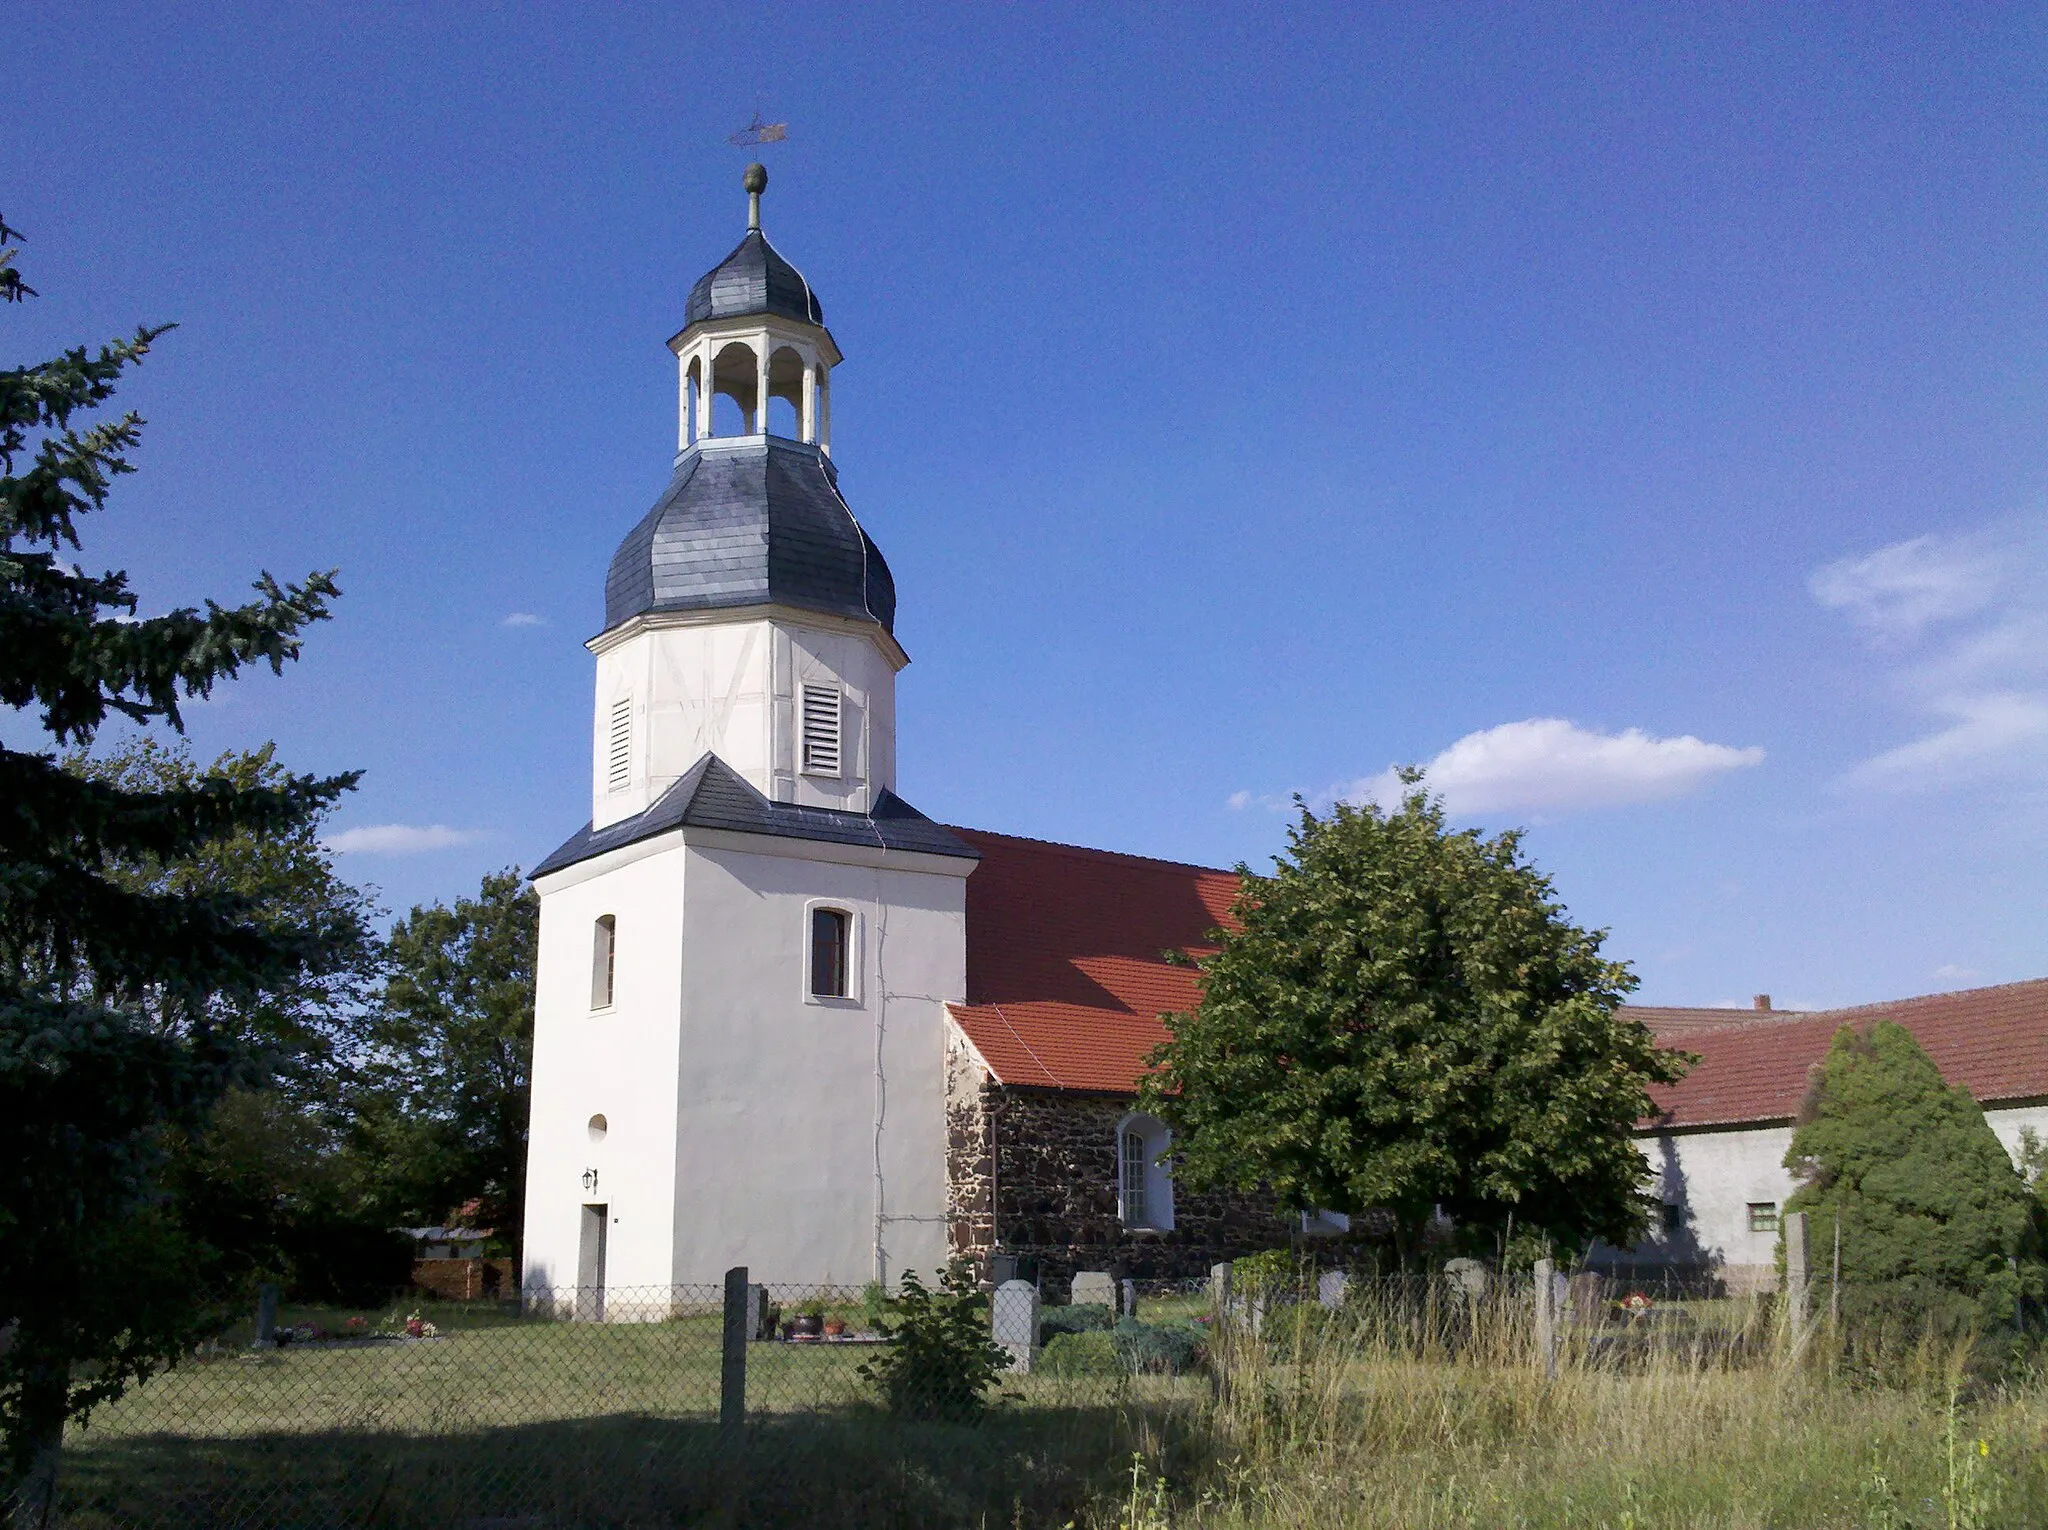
(619, 746)
(821, 730)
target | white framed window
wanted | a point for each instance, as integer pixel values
(1143, 1176)
(820, 726)
(831, 952)
(618, 760)
(832, 969)
(604, 960)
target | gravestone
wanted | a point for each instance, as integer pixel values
(266, 1316)
(1331, 1288)
(1014, 1321)
(1583, 1293)
(1127, 1291)
(1467, 1277)
(1094, 1288)
(1002, 1269)
(759, 1324)
(1219, 1288)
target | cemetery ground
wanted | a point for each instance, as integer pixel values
(1375, 1416)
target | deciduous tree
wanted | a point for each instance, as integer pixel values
(443, 1121)
(1402, 1018)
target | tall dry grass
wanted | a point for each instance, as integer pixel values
(1398, 1412)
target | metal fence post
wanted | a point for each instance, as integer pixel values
(732, 1369)
(1546, 1314)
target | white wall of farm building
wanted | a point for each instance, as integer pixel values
(1716, 1175)
(748, 1122)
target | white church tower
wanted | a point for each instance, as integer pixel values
(745, 956)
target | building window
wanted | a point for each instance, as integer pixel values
(1137, 1210)
(604, 943)
(821, 726)
(618, 769)
(831, 940)
(1144, 1181)
(1763, 1216)
(1674, 1217)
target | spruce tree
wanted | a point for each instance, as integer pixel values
(112, 1032)
(1936, 1223)
(1404, 1020)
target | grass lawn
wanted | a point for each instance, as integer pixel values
(506, 1422)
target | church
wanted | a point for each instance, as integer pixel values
(785, 1020)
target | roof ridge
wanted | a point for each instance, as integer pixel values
(1923, 998)
(1091, 852)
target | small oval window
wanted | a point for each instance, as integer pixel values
(598, 1127)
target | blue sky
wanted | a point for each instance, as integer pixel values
(1636, 412)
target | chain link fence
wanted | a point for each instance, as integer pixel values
(565, 1407)
(764, 1403)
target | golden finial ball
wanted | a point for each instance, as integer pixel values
(757, 179)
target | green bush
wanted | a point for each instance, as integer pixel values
(1159, 1349)
(1090, 1353)
(940, 1361)
(1937, 1227)
(1087, 1317)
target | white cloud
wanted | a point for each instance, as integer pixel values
(401, 839)
(1239, 801)
(1949, 972)
(1965, 618)
(524, 619)
(1901, 590)
(1547, 763)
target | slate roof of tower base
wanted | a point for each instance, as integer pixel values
(748, 521)
(712, 795)
(1067, 977)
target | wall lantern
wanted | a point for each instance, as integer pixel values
(590, 1180)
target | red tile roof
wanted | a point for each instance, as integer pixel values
(1992, 1040)
(1067, 978)
(1066, 967)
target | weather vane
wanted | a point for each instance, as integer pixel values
(759, 132)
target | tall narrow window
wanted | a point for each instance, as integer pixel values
(831, 932)
(604, 953)
(1137, 1213)
(619, 758)
(821, 730)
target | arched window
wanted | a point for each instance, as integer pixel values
(736, 378)
(1144, 1179)
(786, 394)
(831, 948)
(694, 414)
(604, 941)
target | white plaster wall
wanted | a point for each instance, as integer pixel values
(730, 687)
(620, 1063)
(778, 1096)
(2009, 1121)
(1715, 1175)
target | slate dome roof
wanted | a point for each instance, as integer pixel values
(748, 521)
(753, 279)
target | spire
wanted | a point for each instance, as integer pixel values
(756, 183)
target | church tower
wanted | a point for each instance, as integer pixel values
(748, 615)
(746, 953)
